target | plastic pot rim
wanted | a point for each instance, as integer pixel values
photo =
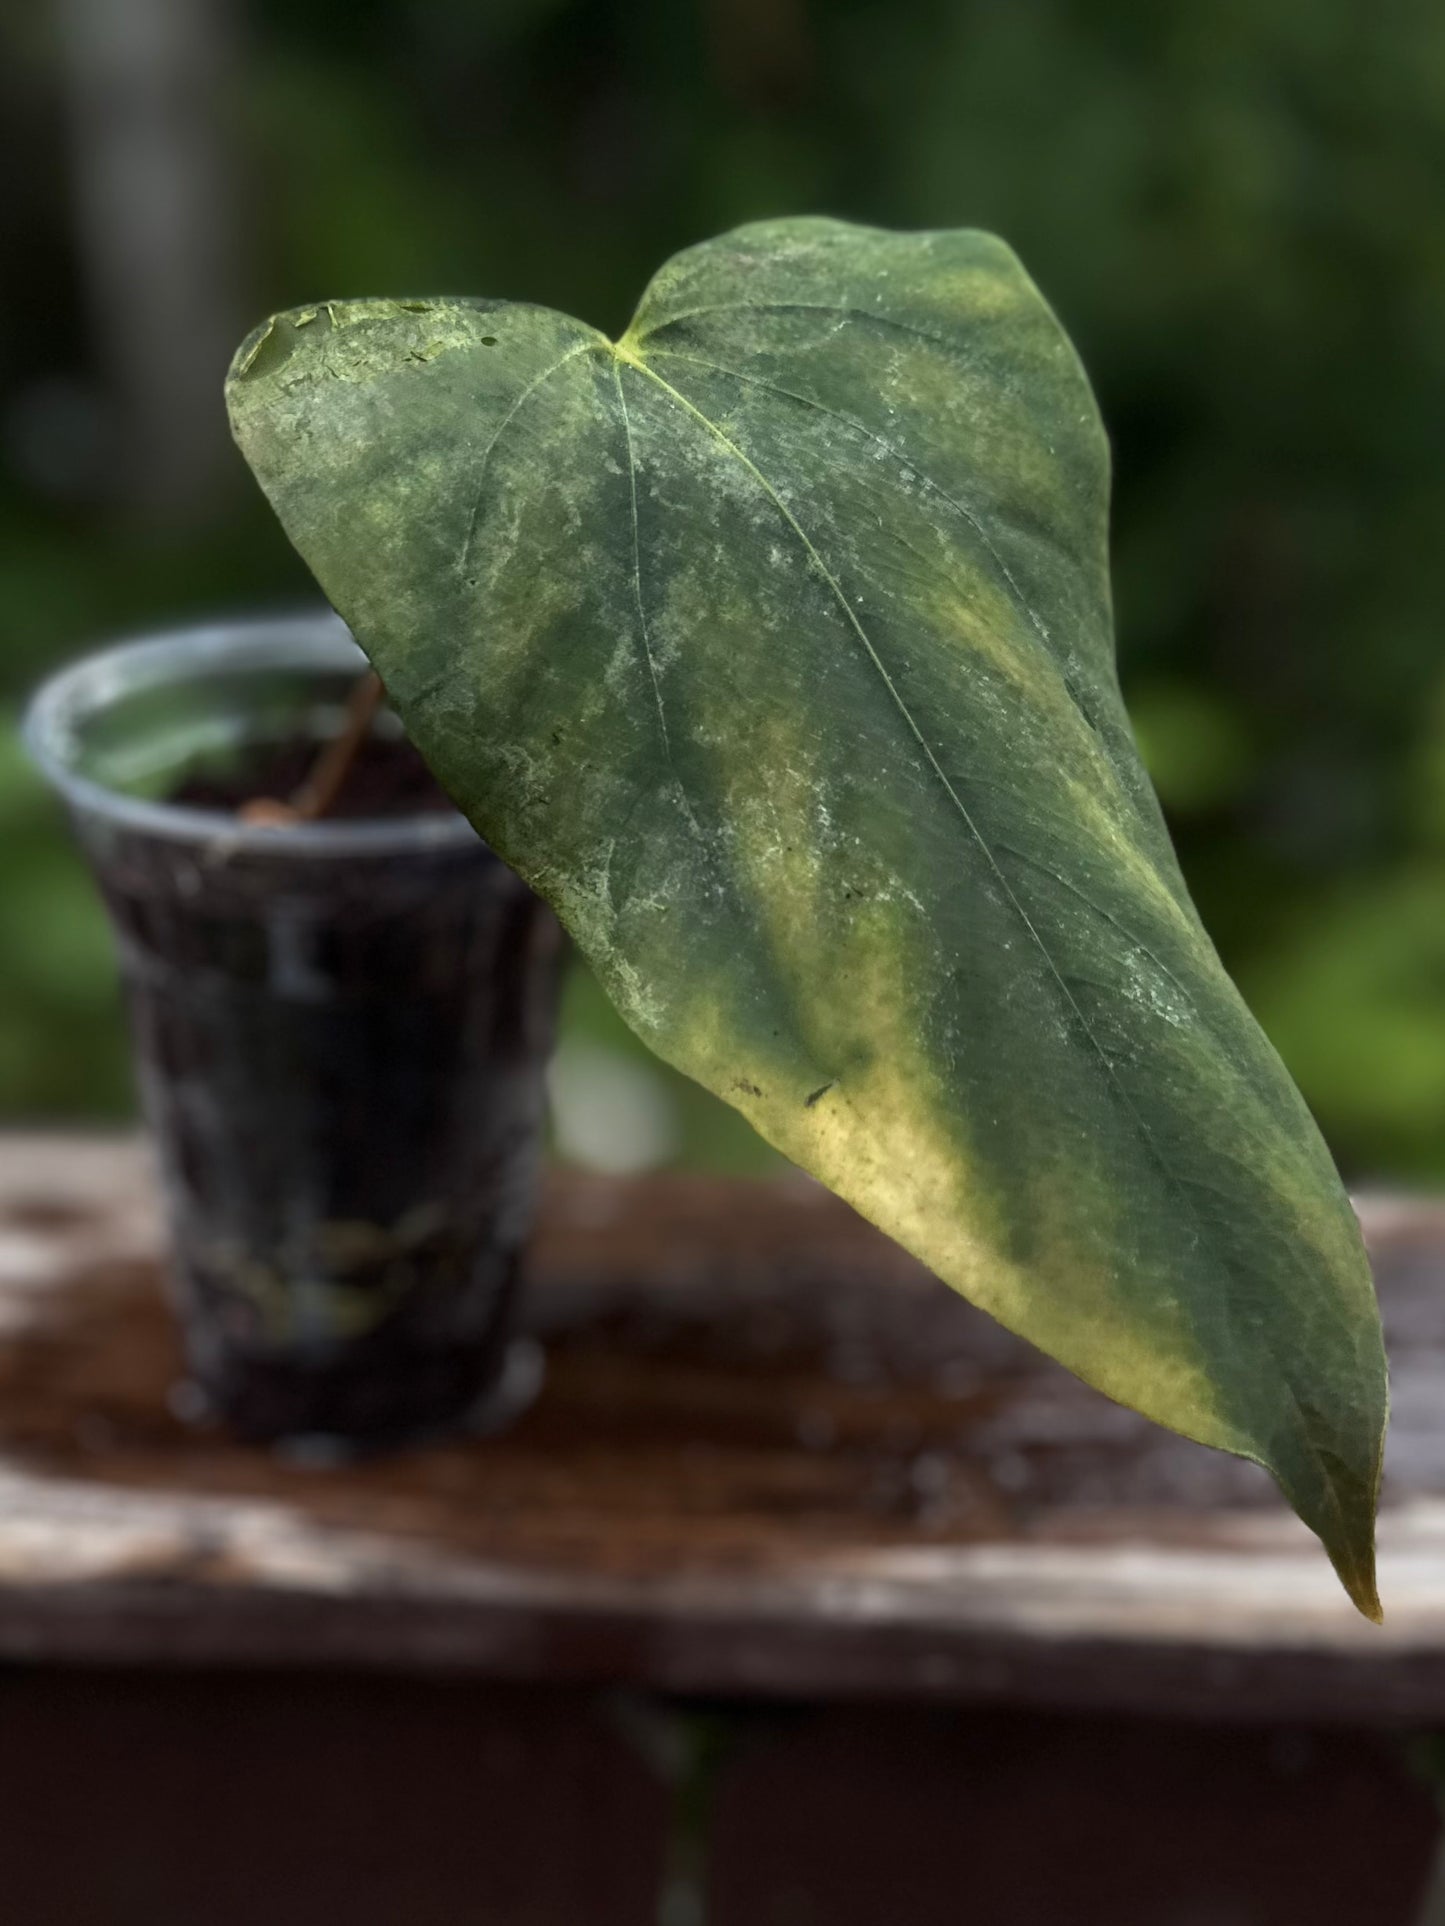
(308, 639)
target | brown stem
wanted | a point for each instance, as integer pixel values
(327, 775)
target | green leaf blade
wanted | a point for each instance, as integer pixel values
(773, 644)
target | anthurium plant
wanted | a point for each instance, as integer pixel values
(772, 644)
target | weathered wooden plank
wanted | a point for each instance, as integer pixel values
(849, 1819)
(231, 1800)
(772, 1456)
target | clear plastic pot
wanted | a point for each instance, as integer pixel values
(340, 1031)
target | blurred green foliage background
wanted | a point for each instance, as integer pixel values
(1238, 209)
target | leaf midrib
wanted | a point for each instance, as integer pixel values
(632, 360)
(629, 357)
(970, 517)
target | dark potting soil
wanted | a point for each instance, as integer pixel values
(386, 778)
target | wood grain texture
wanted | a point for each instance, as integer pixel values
(773, 1457)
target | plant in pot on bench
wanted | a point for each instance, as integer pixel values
(342, 1004)
(771, 643)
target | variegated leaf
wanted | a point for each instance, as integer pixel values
(772, 643)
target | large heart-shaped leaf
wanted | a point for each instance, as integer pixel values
(772, 643)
